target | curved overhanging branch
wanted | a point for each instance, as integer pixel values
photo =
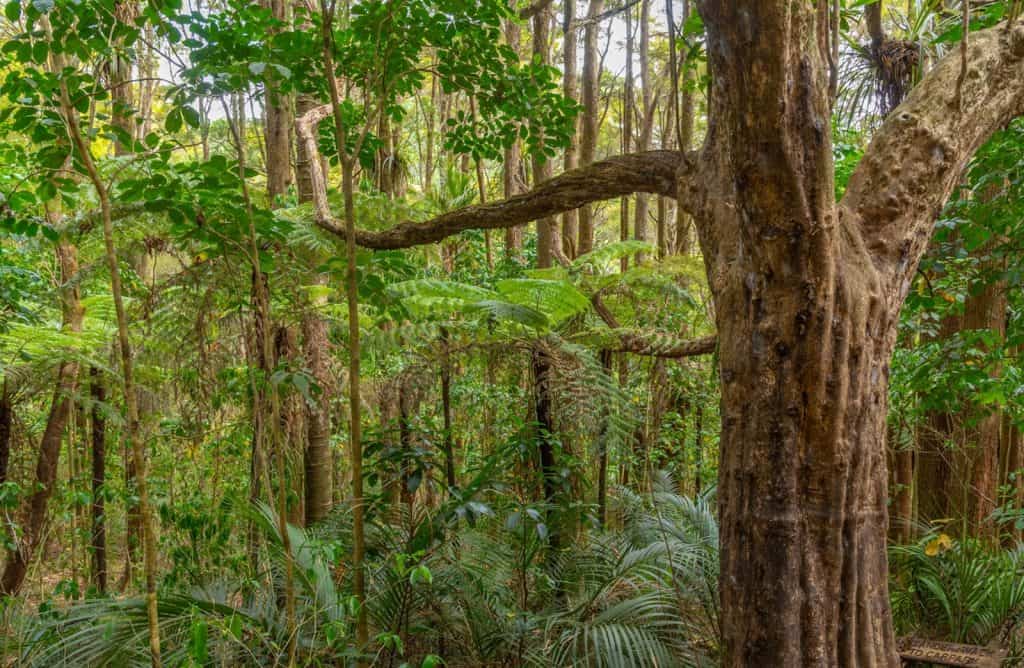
(654, 172)
(918, 155)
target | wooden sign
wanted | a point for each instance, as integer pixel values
(949, 654)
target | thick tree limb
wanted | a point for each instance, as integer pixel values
(654, 172)
(917, 156)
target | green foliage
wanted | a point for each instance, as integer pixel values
(961, 590)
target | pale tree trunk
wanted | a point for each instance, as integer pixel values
(547, 228)
(570, 219)
(49, 445)
(683, 111)
(590, 93)
(647, 108)
(513, 163)
(627, 133)
(303, 180)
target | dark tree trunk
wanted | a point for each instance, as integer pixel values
(99, 481)
(602, 455)
(546, 441)
(980, 456)
(698, 450)
(6, 422)
(446, 410)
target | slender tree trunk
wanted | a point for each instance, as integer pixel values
(647, 121)
(303, 176)
(319, 461)
(570, 221)
(99, 481)
(547, 228)
(446, 409)
(546, 441)
(49, 445)
(352, 296)
(513, 162)
(602, 453)
(627, 136)
(590, 94)
(903, 500)
(698, 450)
(6, 422)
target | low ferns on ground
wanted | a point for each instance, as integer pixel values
(486, 593)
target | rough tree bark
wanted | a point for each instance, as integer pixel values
(807, 294)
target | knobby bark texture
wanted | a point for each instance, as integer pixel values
(807, 293)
